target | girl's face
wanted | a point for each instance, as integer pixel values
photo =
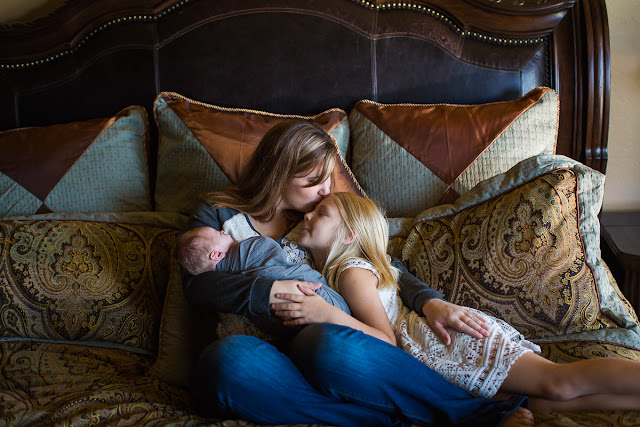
(320, 226)
(299, 197)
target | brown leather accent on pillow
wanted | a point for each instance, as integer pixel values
(429, 132)
(230, 136)
(449, 197)
(44, 209)
(37, 158)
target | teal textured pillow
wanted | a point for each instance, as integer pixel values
(204, 147)
(96, 165)
(410, 157)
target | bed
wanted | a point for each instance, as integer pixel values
(479, 125)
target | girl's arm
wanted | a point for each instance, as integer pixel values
(358, 286)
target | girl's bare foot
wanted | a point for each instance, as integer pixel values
(521, 417)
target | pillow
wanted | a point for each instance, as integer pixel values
(83, 281)
(411, 157)
(524, 247)
(96, 165)
(176, 348)
(399, 229)
(204, 147)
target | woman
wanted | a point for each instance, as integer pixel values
(347, 236)
(325, 373)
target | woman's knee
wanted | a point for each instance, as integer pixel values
(231, 370)
(221, 368)
(327, 350)
(227, 351)
(323, 343)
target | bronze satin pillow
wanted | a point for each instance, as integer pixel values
(83, 281)
(411, 157)
(524, 247)
(205, 147)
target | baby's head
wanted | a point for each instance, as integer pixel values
(202, 248)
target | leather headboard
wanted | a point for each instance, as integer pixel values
(94, 57)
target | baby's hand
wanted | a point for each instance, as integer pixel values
(289, 287)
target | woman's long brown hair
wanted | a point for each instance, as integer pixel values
(290, 149)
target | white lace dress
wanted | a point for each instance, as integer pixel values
(477, 365)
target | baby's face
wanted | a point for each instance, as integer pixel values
(221, 240)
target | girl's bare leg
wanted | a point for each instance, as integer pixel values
(536, 376)
(592, 402)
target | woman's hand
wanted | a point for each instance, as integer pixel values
(442, 314)
(289, 287)
(302, 307)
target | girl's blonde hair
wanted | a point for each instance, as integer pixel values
(361, 217)
(290, 149)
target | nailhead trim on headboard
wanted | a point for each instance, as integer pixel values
(90, 35)
(366, 3)
(443, 18)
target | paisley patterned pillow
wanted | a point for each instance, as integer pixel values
(83, 280)
(524, 246)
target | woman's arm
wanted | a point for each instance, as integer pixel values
(234, 292)
(359, 288)
(225, 292)
(413, 291)
(229, 293)
(439, 313)
(237, 293)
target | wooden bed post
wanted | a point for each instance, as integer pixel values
(593, 86)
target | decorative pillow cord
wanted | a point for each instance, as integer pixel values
(237, 110)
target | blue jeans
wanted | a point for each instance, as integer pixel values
(331, 374)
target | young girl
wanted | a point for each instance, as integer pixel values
(347, 237)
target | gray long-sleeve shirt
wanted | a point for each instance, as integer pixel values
(249, 295)
(263, 257)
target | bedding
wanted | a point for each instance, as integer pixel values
(524, 247)
(66, 280)
(99, 383)
(94, 327)
(443, 150)
(205, 147)
(62, 167)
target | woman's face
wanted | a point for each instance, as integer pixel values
(299, 197)
(320, 226)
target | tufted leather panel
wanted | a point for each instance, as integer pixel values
(298, 57)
